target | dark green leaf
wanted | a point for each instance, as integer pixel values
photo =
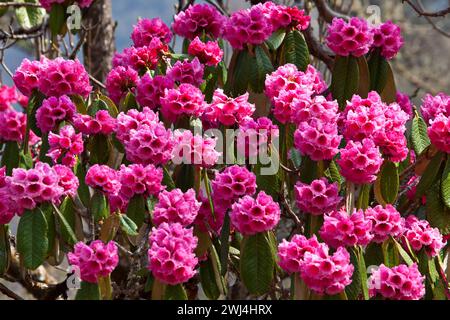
(80, 103)
(345, 79)
(99, 206)
(5, 249)
(437, 213)
(364, 197)
(445, 185)
(242, 71)
(110, 105)
(276, 39)
(57, 19)
(208, 278)
(99, 148)
(389, 182)
(295, 50)
(128, 226)
(27, 16)
(419, 135)
(225, 244)
(83, 189)
(379, 68)
(167, 180)
(430, 176)
(177, 293)
(260, 69)
(10, 157)
(67, 211)
(88, 291)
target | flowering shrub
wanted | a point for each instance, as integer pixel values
(182, 171)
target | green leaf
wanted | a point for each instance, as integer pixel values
(364, 77)
(10, 157)
(363, 273)
(379, 68)
(136, 210)
(99, 206)
(430, 176)
(364, 197)
(224, 249)
(57, 19)
(419, 135)
(389, 94)
(167, 180)
(257, 263)
(99, 148)
(260, 70)
(296, 158)
(208, 278)
(242, 71)
(334, 173)
(345, 79)
(445, 184)
(111, 106)
(271, 184)
(83, 189)
(5, 249)
(177, 293)
(129, 102)
(80, 103)
(29, 17)
(128, 226)
(405, 256)
(32, 241)
(276, 39)
(45, 146)
(88, 291)
(295, 50)
(437, 213)
(66, 226)
(388, 183)
(34, 104)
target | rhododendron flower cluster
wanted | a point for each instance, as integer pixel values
(226, 110)
(171, 257)
(255, 215)
(103, 178)
(67, 180)
(186, 71)
(7, 205)
(148, 29)
(95, 260)
(432, 106)
(255, 136)
(343, 230)
(185, 100)
(388, 37)
(150, 90)
(281, 16)
(420, 235)
(26, 76)
(194, 149)
(386, 222)
(397, 283)
(65, 146)
(53, 111)
(120, 81)
(291, 253)
(318, 198)
(405, 103)
(354, 37)
(360, 161)
(199, 19)
(142, 58)
(208, 53)
(103, 123)
(176, 206)
(47, 4)
(8, 96)
(133, 120)
(12, 125)
(439, 133)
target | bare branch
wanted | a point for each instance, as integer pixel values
(421, 12)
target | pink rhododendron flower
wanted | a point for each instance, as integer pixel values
(327, 274)
(8, 96)
(420, 235)
(318, 107)
(354, 37)
(255, 136)
(12, 125)
(171, 257)
(103, 178)
(388, 37)
(343, 230)
(186, 71)
(226, 110)
(255, 215)
(405, 103)
(95, 260)
(208, 53)
(386, 222)
(26, 76)
(133, 120)
(176, 206)
(194, 149)
(142, 58)
(439, 133)
(120, 82)
(199, 19)
(47, 4)
(148, 29)
(318, 198)
(281, 16)
(150, 90)
(185, 100)
(53, 111)
(65, 146)
(103, 123)
(291, 253)
(67, 180)
(247, 26)
(60, 77)
(360, 162)
(432, 106)
(205, 220)
(397, 283)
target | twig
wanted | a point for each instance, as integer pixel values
(7, 292)
(327, 13)
(421, 12)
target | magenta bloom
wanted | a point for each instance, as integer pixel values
(103, 123)
(343, 230)
(318, 107)
(103, 178)
(150, 90)
(255, 215)
(420, 235)
(176, 207)
(388, 37)
(12, 125)
(143, 58)
(360, 162)
(208, 53)
(186, 71)
(7, 206)
(405, 103)
(227, 111)
(325, 273)
(8, 96)
(386, 222)
(397, 283)
(185, 100)
(150, 144)
(439, 133)
(67, 180)
(47, 4)
(288, 102)
(285, 78)
(95, 260)
(138, 179)
(281, 16)
(318, 198)
(432, 106)
(66, 146)
(205, 220)
(148, 29)
(248, 26)
(199, 19)
(350, 38)
(60, 77)
(26, 76)
(291, 253)
(30, 188)
(255, 136)
(53, 111)
(133, 120)
(120, 82)
(194, 149)
(171, 257)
